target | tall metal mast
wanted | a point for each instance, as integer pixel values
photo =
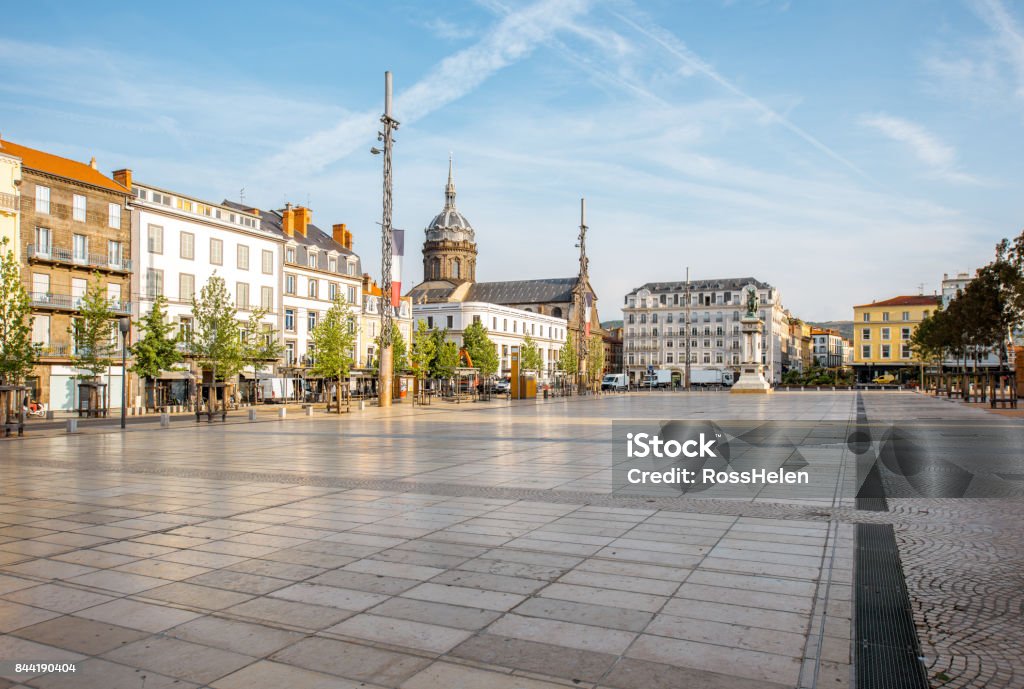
(686, 329)
(581, 298)
(390, 124)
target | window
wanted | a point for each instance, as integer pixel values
(311, 320)
(185, 328)
(40, 286)
(114, 215)
(243, 257)
(865, 351)
(216, 252)
(289, 284)
(80, 248)
(332, 291)
(154, 283)
(155, 235)
(906, 315)
(186, 286)
(42, 200)
(242, 295)
(187, 242)
(865, 334)
(885, 316)
(289, 353)
(313, 288)
(289, 320)
(904, 333)
(351, 295)
(41, 330)
(43, 241)
(885, 333)
(78, 207)
(332, 265)
(289, 255)
(311, 260)
(905, 351)
(430, 321)
(886, 349)
(268, 262)
(114, 253)
(267, 298)
(450, 320)
(867, 317)
(78, 289)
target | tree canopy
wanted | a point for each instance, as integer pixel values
(157, 347)
(17, 353)
(94, 331)
(334, 340)
(480, 348)
(217, 341)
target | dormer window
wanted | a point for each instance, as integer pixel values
(289, 255)
(332, 265)
(311, 259)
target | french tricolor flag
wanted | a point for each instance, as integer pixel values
(397, 253)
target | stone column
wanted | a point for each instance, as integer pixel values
(751, 370)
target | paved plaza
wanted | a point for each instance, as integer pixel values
(471, 547)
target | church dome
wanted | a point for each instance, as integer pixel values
(450, 224)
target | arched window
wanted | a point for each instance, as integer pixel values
(456, 266)
(557, 313)
(435, 269)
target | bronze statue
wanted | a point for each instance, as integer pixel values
(752, 302)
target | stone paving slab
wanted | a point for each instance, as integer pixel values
(436, 549)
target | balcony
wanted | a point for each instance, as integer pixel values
(68, 302)
(55, 350)
(9, 202)
(68, 257)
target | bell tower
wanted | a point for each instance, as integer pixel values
(449, 252)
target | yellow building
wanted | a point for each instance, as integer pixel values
(10, 204)
(882, 332)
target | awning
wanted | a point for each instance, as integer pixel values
(175, 375)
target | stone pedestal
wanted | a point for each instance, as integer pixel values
(751, 370)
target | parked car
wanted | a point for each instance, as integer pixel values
(614, 381)
(884, 379)
(502, 386)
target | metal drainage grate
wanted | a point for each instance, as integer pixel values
(888, 653)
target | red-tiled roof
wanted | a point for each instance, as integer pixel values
(61, 167)
(917, 300)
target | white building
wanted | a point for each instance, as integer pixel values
(370, 322)
(506, 326)
(179, 242)
(827, 348)
(951, 285)
(317, 268)
(656, 331)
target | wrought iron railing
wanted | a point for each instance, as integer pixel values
(55, 349)
(59, 255)
(71, 302)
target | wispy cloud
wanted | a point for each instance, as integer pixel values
(1009, 35)
(448, 30)
(940, 157)
(514, 37)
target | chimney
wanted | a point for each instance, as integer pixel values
(338, 232)
(303, 216)
(288, 220)
(92, 163)
(124, 178)
(348, 240)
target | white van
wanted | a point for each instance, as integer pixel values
(615, 382)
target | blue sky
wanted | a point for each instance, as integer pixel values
(843, 152)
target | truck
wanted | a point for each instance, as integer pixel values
(659, 378)
(614, 382)
(705, 377)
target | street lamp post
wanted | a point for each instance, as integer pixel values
(124, 324)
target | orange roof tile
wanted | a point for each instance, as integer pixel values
(61, 167)
(917, 300)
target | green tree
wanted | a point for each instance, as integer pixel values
(480, 348)
(567, 362)
(446, 360)
(595, 360)
(421, 352)
(334, 339)
(217, 341)
(260, 343)
(529, 356)
(17, 353)
(157, 347)
(94, 332)
(438, 337)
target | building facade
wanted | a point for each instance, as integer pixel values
(317, 268)
(449, 277)
(612, 339)
(661, 325)
(370, 324)
(987, 357)
(10, 202)
(828, 348)
(882, 333)
(180, 242)
(507, 328)
(75, 229)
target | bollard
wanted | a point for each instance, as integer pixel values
(165, 420)
(309, 410)
(252, 414)
(72, 426)
(282, 413)
(362, 405)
